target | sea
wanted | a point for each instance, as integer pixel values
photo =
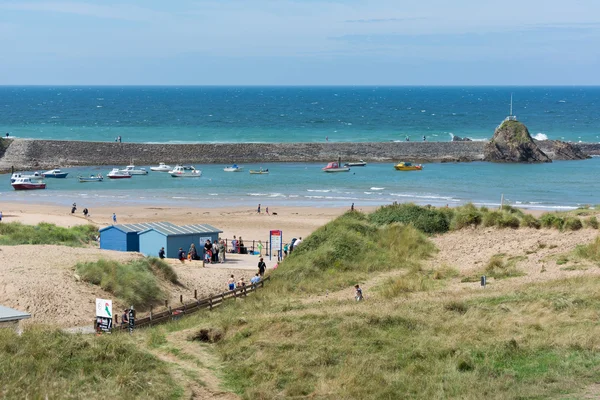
(310, 114)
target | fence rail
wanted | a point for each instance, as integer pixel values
(171, 314)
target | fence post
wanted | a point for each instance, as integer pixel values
(150, 315)
(210, 303)
(222, 296)
(245, 294)
(166, 303)
(170, 312)
(196, 294)
(181, 298)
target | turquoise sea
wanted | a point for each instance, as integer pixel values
(310, 114)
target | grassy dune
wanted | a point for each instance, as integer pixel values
(15, 233)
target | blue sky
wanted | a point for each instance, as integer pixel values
(300, 42)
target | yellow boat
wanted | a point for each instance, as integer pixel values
(406, 166)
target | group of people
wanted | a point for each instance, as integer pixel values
(266, 209)
(213, 252)
(237, 246)
(289, 247)
(262, 268)
(86, 212)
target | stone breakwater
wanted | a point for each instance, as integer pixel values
(25, 154)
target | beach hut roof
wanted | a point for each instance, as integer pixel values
(127, 228)
(168, 229)
(10, 314)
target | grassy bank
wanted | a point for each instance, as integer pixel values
(15, 233)
(136, 282)
(45, 363)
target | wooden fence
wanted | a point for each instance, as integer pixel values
(172, 314)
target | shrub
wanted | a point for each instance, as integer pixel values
(509, 221)
(589, 251)
(492, 218)
(426, 219)
(134, 282)
(467, 215)
(573, 224)
(498, 268)
(551, 220)
(530, 221)
(512, 210)
(592, 222)
(15, 233)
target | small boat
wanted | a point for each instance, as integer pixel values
(162, 167)
(335, 167)
(133, 171)
(27, 184)
(187, 171)
(116, 173)
(36, 176)
(406, 166)
(259, 171)
(55, 173)
(359, 163)
(233, 168)
(91, 178)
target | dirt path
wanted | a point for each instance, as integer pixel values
(193, 367)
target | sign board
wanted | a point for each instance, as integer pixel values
(276, 243)
(104, 316)
(202, 240)
(131, 318)
(104, 308)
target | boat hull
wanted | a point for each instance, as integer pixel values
(175, 175)
(233, 169)
(408, 168)
(259, 172)
(341, 169)
(158, 169)
(29, 186)
(119, 176)
(61, 175)
(83, 180)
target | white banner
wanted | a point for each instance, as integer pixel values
(104, 308)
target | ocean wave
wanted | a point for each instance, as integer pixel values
(418, 196)
(257, 194)
(377, 188)
(540, 136)
(319, 190)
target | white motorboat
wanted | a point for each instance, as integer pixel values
(55, 173)
(185, 172)
(27, 184)
(134, 171)
(359, 163)
(36, 176)
(91, 178)
(162, 167)
(116, 173)
(233, 168)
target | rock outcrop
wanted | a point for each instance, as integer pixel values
(512, 143)
(459, 139)
(557, 150)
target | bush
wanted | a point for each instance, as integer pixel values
(551, 220)
(509, 221)
(492, 218)
(530, 221)
(498, 268)
(426, 219)
(592, 222)
(512, 210)
(134, 282)
(572, 224)
(15, 233)
(465, 216)
(589, 251)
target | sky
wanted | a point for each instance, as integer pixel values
(300, 42)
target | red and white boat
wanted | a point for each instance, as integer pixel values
(335, 167)
(27, 184)
(118, 174)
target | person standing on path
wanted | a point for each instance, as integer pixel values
(114, 218)
(221, 248)
(262, 267)
(260, 248)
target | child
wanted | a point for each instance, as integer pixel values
(231, 283)
(358, 294)
(207, 256)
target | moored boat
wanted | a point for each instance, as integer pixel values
(359, 163)
(27, 184)
(55, 173)
(36, 176)
(406, 166)
(335, 167)
(162, 167)
(91, 178)
(233, 168)
(186, 171)
(259, 171)
(132, 170)
(116, 173)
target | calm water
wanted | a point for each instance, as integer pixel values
(560, 185)
(293, 114)
(309, 114)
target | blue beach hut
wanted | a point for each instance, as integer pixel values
(172, 237)
(123, 237)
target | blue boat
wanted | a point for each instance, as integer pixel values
(55, 173)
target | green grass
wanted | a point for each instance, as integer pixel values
(500, 267)
(15, 233)
(46, 363)
(589, 251)
(135, 283)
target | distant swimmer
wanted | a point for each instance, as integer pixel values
(326, 138)
(424, 138)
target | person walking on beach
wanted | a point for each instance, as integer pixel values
(262, 267)
(267, 210)
(352, 207)
(258, 208)
(231, 283)
(161, 253)
(358, 294)
(114, 218)
(73, 208)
